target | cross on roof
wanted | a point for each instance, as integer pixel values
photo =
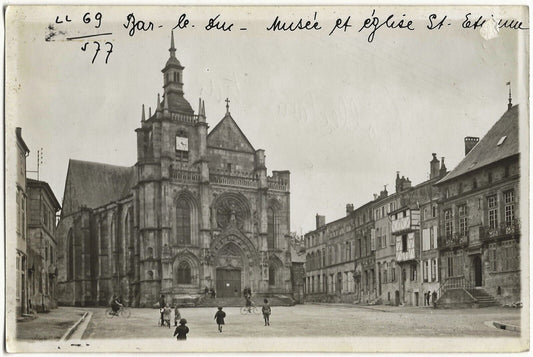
(227, 105)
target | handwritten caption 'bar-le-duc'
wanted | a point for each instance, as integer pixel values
(370, 25)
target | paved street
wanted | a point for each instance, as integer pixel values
(312, 320)
(49, 326)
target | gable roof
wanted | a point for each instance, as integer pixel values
(227, 135)
(44, 185)
(93, 184)
(487, 151)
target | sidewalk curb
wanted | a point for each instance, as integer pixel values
(71, 330)
(503, 326)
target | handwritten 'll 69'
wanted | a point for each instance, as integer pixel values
(84, 48)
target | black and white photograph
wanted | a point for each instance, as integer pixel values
(266, 178)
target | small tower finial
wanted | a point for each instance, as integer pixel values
(227, 105)
(149, 112)
(510, 105)
(172, 49)
(165, 103)
(143, 118)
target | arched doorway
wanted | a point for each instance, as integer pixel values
(229, 271)
(478, 271)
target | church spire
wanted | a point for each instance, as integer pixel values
(172, 49)
(510, 105)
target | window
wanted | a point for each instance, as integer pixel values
(271, 275)
(509, 207)
(393, 272)
(324, 257)
(184, 273)
(404, 243)
(23, 215)
(448, 224)
(413, 273)
(509, 256)
(434, 270)
(434, 211)
(502, 139)
(70, 256)
(493, 211)
(450, 265)
(490, 177)
(460, 187)
(425, 270)
(385, 277)
(463, 220)
(271, 239)
(18, 213)
(183, 222)
(182, 146)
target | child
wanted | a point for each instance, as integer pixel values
(166, 315)
(177, 315)
(219, 316)
(266, 312)
(182, 330)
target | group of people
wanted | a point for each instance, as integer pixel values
(210, 292)
(429, 296)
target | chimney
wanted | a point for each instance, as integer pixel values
(434, 167)
(398, 182)
(349, 208)
(384, 193)
(320, 221)
(442, 167)
(470, 142)
(375, 196)
(406, 184)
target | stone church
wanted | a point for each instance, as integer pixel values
(196, 210)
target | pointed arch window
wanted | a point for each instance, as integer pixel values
(70, 256)
(183, 222)
(184, 273)
(270, 229)
(272, 275)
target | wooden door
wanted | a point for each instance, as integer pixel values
(228, 283)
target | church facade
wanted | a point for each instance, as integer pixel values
(197, 210)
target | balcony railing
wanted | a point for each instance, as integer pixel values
(501, 230)
(277, 185)
(185, 175)
(456, 239)
(234, 180)
(188, 118)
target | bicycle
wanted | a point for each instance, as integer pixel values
(250, 310)
(122, 312)
(165, 322)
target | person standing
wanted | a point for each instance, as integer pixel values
(266, 312)
(219, 316)
(428, 296)
(161, 307)
(177, 315)
(182, 330)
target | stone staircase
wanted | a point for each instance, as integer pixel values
(483, 298)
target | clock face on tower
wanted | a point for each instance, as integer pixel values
(182, 143)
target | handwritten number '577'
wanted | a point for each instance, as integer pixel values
(84, 48)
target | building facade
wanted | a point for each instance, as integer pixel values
(42, 246)
(21, 254)
(197, 210)
(479, 225)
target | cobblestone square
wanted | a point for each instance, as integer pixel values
(312, 321)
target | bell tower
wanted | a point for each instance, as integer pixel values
(173, 83)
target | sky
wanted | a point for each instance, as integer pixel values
(340, 113)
